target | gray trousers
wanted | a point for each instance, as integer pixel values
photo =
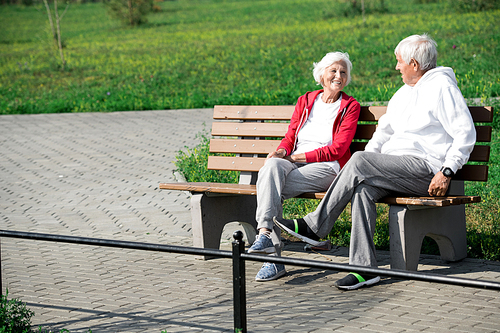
(364, 180)
(280, 179)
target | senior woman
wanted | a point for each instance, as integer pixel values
(314, 149)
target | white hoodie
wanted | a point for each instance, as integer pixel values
(430, 120)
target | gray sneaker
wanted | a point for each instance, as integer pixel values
(269, 272)
(263, 244)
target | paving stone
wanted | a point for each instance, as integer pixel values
(97, 175)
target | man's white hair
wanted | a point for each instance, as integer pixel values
(422, 48)
(328, 60)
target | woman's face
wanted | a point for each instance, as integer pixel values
(335, 77)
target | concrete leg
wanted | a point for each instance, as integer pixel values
(210, 213)
(408, 227)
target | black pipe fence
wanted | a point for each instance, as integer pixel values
(239, 256)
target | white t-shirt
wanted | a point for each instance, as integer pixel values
(318, 129)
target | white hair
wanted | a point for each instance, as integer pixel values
(328, 60)
(422, 48)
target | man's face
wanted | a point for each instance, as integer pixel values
(410, 73)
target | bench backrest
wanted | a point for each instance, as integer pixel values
(251, 132)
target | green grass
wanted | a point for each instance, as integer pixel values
(198, 53)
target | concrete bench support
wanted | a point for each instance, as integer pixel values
(408, 225)
(211, 212)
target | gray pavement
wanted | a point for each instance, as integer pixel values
(97, 175)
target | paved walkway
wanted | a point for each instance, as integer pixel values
(97, 175)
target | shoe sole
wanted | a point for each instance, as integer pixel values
(361, 284)
(293, 233)
(277, 276)
(267, 250)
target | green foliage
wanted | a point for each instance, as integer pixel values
(199, 53)
(192, 163)
(474, 5)
(483, 219)
(130, 12)
(15, 317)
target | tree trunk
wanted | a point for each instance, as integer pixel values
(49, 14)
(59, 42)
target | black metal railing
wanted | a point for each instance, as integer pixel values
(239, 257)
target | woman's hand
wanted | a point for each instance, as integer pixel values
(297, 158)
(280, 153)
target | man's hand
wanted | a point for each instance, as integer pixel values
(439, 185)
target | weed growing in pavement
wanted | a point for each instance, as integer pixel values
(15, 317)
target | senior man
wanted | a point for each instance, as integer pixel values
(425, 136)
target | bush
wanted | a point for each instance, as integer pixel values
(483, 229)
(467, 6)
(130, 12)
(15, 317)
(192, 163)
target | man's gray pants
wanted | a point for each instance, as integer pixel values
(364, 180)
(280, 179)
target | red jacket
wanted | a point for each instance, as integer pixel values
(343, 130)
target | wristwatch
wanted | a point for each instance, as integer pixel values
(447, 172)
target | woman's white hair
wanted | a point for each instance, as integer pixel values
(422, 48)
(328, 60)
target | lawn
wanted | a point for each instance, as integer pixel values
(199, 53)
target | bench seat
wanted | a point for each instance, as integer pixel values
(246, 189)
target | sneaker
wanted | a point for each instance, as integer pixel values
(299, 229)
(262, 244)
(354, 281)
(270, 271)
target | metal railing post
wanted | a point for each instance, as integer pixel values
(239, 290)
(1, 287)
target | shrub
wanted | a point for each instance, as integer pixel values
(483, 229)
(15, 317)
(192, 163)
(474, 5)
(130, 12)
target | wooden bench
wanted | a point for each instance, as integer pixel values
(251, 132)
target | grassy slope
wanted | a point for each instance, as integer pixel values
(200, 53)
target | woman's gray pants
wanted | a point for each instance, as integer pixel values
(280, 179)
(364, 180)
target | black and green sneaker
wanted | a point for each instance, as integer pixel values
(354, 281)
(299, 229)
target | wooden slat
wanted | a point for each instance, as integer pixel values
(432, 201)
(365, 131)
(480, 153)
(237, 146)
(483, 133)
(224, 188)
(211, 188)
(249, 129)
(252, 164)
(481, 114)
(478, 173)
(357, 146)
(372, 113)
(254, 112)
